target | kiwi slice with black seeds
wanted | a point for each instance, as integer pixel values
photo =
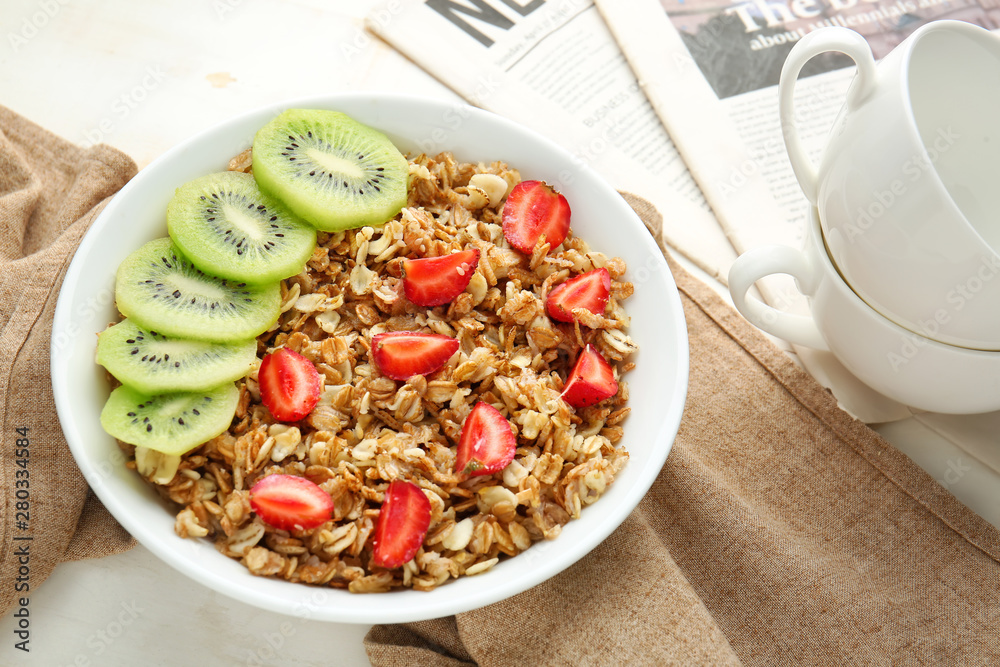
(226, 226)
(329, 169)
(172, 423)
(160, 289)
(150, 362)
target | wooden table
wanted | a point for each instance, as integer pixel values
(143, 77)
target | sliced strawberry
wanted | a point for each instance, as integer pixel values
(433, 281)
(588, 290)
(289, 385)
(487, 444)
(403, 354)
(288, 502)
(591, 381)
(402, 524)
(533, 208)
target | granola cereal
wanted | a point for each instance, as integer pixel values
(368, 429)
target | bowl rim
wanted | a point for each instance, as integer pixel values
(429, 606)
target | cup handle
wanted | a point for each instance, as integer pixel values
(760, 262)
(823, 40)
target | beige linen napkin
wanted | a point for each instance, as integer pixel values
(50, 192)
(779, 532)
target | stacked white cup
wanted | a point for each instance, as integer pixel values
(902, 265)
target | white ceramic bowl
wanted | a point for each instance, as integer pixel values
(658, 384)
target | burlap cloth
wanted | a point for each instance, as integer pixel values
(780, 531)
(50, 192)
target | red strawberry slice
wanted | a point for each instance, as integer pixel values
(533, 208)
(433, 281)
(591, 381)
(588, 290)
(289, 385)
(402, 524)
(487, 444)
(288, 502)
(403, 354)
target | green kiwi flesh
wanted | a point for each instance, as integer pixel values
(172, 423)
(152, 363)
(329, 169)
(229, 228)
(160, 289)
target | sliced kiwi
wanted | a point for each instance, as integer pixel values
(229, 228)
(160, 289)
(151, 362)
(330, 169)
(172, 423)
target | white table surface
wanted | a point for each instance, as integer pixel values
(144, 76)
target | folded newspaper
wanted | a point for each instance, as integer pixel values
(553, 66)
(724, 60)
